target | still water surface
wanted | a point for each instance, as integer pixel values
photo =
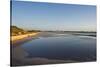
(62, 47)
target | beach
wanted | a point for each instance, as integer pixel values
(22, 37)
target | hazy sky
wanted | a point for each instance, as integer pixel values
(50, 16)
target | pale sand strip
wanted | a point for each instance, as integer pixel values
(14, 38)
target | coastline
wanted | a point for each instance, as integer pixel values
(20, 55)
(17, 38)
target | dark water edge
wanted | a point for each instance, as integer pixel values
(21, 57)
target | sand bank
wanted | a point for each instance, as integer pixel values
(15, 38)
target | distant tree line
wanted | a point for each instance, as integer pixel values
(33, 31)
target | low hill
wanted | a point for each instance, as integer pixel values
(16, 31)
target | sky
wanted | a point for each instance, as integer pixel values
(53, 16)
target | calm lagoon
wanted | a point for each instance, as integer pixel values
(62, 46)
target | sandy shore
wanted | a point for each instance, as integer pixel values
(15, 38)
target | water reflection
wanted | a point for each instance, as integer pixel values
(49, 48)
(62, 47)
